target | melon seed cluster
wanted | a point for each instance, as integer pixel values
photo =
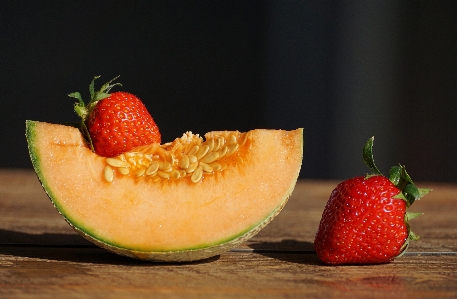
(186, 157)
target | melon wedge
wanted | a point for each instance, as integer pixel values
(167, 219)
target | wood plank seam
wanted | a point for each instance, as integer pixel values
(235, 250)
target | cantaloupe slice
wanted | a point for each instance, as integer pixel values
(171, 214)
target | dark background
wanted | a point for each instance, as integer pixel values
(343, 70)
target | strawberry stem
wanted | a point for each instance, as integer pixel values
(96, 96)
(91, 86)
(368, 156)
(84, 110)
(397, 175)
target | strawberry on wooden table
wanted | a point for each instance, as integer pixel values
(115, 123)
(365, 219)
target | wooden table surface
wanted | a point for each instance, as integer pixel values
(41, 256)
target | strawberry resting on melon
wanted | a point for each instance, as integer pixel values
(186, 200)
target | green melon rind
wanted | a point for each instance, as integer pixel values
(187, 255)
(35, 159)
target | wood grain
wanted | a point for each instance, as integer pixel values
(41, 256)
(84, 272)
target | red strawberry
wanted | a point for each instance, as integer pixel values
(115, 123)
(365, 220)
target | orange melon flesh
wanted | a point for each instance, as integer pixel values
(169, 220)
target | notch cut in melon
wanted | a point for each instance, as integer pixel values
(175, 218)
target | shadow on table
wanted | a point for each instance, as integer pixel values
(288, 250)
(68, 248)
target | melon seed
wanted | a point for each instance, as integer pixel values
(153, 168)
(216, 166)
(163, 174)
(192, 167)
(217, 145)
(197, 175)
(231, 149)
(108, 174)
(222, 140)
(175, 174)
(123, 170)
(206, 167)
(132, 161)
(165, 166)
(210, 143)
(231, 140)
(163, 162)
(211, 157)
(192, 159)
(165, 154)
(156, 178)
(193, 151)
(184, 162)
(116, 162)
(202, 151)
(140, 172)
(223, 151)
(244, 138)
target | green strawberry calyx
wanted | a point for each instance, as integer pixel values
(84, 110)
(401, 179)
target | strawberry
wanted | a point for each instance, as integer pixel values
(365, 220)
(115, 123)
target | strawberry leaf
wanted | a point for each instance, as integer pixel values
(395, 175)
(79, 107)
(411, 215)
(368, 156)
(404, 248)
(86, 134)
(424, 191)
(107, 86)
(413, 236)
(401, 179)
(404, 175)
(91, 86)
(77, 96)
(96, 96)
(411, 193)
(99, 96)
(400, 195)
